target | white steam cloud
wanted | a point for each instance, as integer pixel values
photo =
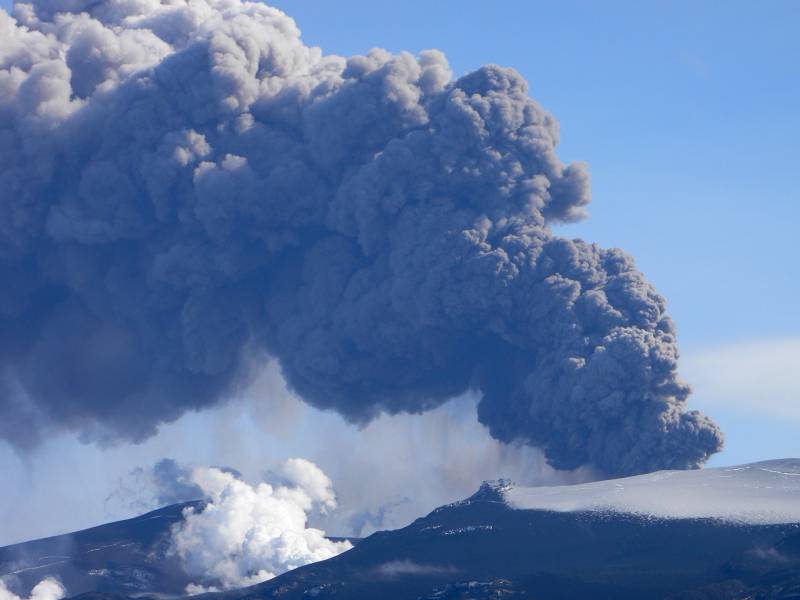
(247, 534)
(46, 589)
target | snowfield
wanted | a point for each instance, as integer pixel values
(758, 493)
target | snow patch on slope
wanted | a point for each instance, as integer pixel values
(758, 493)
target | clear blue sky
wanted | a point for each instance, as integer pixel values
(687, 113)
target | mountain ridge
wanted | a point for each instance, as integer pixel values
(488, 544)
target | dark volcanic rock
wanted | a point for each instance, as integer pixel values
(482, 548)
(126, 557)
(487, 546)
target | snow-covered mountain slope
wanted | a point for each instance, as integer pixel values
(733, 533)
(759, 493)
(729, 533)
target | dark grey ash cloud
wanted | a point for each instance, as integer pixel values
(187, 186)
(164, 483)
(173, 483)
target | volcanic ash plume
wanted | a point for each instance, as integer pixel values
(186, 186)
(247, 534)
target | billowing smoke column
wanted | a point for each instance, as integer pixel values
(185, 185)
(247, 534)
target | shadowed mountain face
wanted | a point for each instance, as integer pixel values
(123, 557)
(126, 557)
(482, 548)
(618, 539)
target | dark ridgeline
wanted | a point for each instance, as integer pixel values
(130, 556)
(477, 548)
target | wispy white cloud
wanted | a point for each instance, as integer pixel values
(757, 376)
(396, 568)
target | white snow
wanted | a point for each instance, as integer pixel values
(468, 529)
(103, 547)
(759, 493)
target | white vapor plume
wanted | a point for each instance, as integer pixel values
(308, 477)
(46, 589)
(247, 534)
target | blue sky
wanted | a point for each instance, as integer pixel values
(687, 115)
